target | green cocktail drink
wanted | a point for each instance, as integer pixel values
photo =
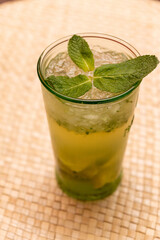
(89, 133)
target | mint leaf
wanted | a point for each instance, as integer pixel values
(121, 77)
(71, 87)
(80, 53)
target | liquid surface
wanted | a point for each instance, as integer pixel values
(62, 65)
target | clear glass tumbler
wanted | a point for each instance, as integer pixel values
(89, 137)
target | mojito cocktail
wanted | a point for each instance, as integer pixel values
(89, 133)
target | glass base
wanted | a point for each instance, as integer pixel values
(83, 190)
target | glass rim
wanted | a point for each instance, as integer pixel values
(86, 35)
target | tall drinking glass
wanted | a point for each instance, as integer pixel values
(89, 137)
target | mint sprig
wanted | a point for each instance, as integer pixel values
(71, 87)
(122, 76)
(80, 53)
(114, 78)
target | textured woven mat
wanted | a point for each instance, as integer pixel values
(32, 207)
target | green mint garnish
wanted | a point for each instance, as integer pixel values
(71, 87)
(114, 78)
(80, 53)
(122, 76)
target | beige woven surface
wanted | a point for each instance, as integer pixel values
(32, 207)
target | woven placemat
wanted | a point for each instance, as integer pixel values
(32, 207)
